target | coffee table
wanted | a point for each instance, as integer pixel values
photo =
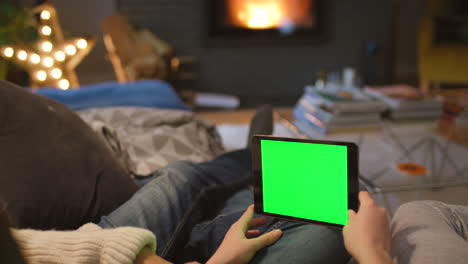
(403, 158)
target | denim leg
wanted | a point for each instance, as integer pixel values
(162, 204)
(300, 243)
(304, 243)
(238, 202)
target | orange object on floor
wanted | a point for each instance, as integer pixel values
(412, 169)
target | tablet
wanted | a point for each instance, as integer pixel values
(303, 180)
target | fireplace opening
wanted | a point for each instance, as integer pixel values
(284, 15)
(265, 20)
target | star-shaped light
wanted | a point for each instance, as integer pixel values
(52, 60)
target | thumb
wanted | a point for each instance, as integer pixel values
(267, 239)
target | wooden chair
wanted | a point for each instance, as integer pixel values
(135, 54)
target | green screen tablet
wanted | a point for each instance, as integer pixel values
(305, 180)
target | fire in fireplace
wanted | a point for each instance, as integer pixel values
(264, 19)
(267, 14)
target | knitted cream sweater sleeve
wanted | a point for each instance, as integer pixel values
(89, 244)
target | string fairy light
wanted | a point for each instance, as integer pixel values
(41, 76)
(70, 49)
(22, 55)
(52, 60)
(56, 73)
(46, 30)
(35, 58)
(48, 62)
(64, 84)
(8, 52)
(47, 46)
(59, 55)
(45, 14)
(82, 43)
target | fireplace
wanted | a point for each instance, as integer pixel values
(264, 21)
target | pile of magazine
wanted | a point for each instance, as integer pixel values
(336, 109)
(407, 103)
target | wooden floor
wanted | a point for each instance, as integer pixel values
(241, 116)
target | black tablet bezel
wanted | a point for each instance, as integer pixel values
(353, 185)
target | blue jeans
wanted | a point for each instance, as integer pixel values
(190, 207)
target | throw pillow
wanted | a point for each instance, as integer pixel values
(55, 172)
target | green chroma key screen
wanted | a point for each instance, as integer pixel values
(305, 180)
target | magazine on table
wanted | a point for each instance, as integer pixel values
(308, 122)
(324, 114)
(403, 97)
(340, 100)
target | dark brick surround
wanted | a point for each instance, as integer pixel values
(273, 71)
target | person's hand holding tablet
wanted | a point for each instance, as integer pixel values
(316, 182)
(367, 235)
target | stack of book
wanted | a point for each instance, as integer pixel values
(332, 110)
(407, 103)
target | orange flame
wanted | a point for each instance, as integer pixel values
(260, 16)
(265, 14)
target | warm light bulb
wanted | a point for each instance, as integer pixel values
(70, 50)
(64, 84)
(35, 58)
(48, 62)
(82, 43)
(45, 15)
(41, 76)
(47, 46)
(8, 52)
(56, 73)
(46, 30)
(22, 55)
(60, 55)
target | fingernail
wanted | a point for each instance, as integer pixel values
(277, 232)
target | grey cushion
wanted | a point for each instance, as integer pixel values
(54, 171)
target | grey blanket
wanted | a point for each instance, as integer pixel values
(145, 139)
